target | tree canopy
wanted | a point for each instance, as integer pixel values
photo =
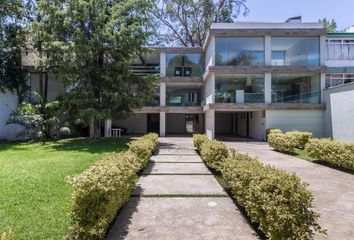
(91, 44)
(186, 22)
(331, 26)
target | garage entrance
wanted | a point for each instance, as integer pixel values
(180, 123)
(240, 124)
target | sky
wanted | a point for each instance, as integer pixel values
(342, 11)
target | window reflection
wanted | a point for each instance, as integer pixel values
(184, 65)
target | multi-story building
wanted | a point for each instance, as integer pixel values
(246, 78)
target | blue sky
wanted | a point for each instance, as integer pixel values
(310, 10)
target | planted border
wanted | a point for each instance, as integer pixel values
(101, 190)
(277, 201)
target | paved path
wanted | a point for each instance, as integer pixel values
(178, 198)
(333, 190)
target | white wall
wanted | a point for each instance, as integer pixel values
(175, 123)
(257, 126)
(210, 123)
(210, 54)
(136, 124)
(209, 89)
(8, 104)
(303, 120)
(339, 115)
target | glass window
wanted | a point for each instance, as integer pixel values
(348, 49)
(296, 88)
(239, 51)
(295, 51)
(183, 95)
(184, 65)
(333, 80)
(239, 88)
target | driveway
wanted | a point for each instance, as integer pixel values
(333, 190)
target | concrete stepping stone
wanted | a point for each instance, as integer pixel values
(176, 158)
(181, 218)
(171, 151)
(178, 185)
(176, 168)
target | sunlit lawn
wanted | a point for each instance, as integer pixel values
(34, 197)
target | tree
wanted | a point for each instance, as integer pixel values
(186, 22)
(91, 45)
(331, 26)
(14, 16)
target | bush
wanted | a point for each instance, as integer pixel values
(335, 152)
(199, 140)
(282, 142)
(7, 235)
(276, 200)
(101, 190)
(213, 153)
(301, 138)
(64, 132)
(271, 130)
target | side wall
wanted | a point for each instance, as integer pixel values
(303, 120)
(339, 114)
(136, 124)
(8, 104)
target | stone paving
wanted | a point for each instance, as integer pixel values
(333, 189)
(178, 198)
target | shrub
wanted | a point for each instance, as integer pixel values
(301, 138)
(282, 142)
(213, 153)
(271, 130)
(199, 140)
(7, 235)
(335, 152)
(278, 201)
(101, 190)
(64, 132)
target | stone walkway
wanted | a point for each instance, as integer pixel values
(178, 198)
(333, 190)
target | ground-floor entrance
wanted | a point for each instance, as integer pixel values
(181, 123)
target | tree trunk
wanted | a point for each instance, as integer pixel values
(97, 129)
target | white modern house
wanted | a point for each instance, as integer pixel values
(246, 78)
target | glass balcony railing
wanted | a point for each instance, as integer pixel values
(238, 96)
(305, 97)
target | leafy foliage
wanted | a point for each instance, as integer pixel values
(331, 26)
(301, 138)
(214, 153)
(91, 45)
(186, 22)
(102, 190)
(199, 140)
(282, 142)
(338, 153)
(272, 130)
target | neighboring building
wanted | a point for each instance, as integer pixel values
(246, 78)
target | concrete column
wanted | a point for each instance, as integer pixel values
(268, 50)
(213, 88)
(108, 128)
(92, 129)
(162, 94)
(323, 85)
(210, 123)
(162, 64)
(268, 88)
(162, 124)
(323, 50)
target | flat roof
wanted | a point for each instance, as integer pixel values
(266, 25)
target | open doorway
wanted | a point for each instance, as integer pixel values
(153, 122)
(192, 123)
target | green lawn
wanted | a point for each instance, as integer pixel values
(34, 197)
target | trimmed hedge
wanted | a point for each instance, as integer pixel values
(301, 138)
(282, 142)
(101, 190)
(7, 235)
(276, 200)
(198, 140)
(271, 130)
(279, 202)
(214, 153)
(338, 153)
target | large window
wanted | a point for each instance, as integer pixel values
(295, 51)
(184, 65)
(296, 88)
(183, 95)
(340, 49)
(239, 88)
(336, 79)
(239, 51)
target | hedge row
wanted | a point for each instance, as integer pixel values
(279, 202)
(335, 152)
(289, 141)
(101, 190)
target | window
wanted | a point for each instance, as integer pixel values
(296, 88)
(340, 49)
(239, 88)
(295, 51)
(239, 51)
(184, 65)
(183, 95)
(333, 80)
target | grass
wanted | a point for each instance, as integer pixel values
(301, 153)
(34, 197)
